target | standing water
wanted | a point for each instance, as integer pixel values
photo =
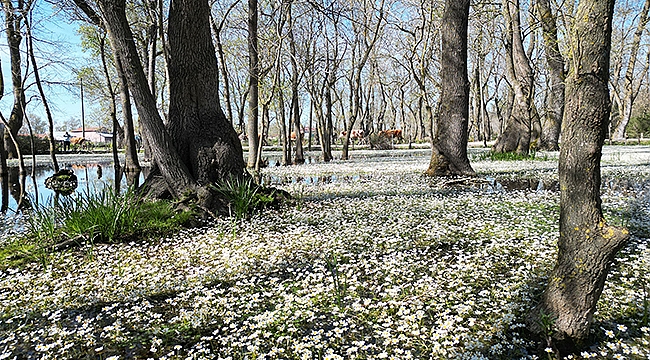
(91, 177)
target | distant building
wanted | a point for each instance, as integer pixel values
(93, 134)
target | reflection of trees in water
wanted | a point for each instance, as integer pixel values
(5, 193)
(14, 184)
(91, 177)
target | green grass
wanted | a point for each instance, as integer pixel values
(244, 196)
(510, 156)
(102, 217)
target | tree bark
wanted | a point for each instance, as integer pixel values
(631, 88)
(13, 21)
(517, 135)
(555, 63)
(449, 148)
(254, 79)
(173, 169)
(131, 162)
(206, 141)
(587, 245)
(295, 106)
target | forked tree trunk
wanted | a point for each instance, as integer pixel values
(173, 169)
(587, 245)
(517, 135)
(449, 147)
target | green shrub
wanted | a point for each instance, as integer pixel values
(41, 145)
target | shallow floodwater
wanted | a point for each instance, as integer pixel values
(90, 177)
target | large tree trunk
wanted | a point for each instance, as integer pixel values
(517, 135)
(449, 147)
(555, 63)
(587, 245)
(173, 169)
(206, 141)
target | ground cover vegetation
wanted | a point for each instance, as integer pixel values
(380, 263)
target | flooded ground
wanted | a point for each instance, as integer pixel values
(95, 171)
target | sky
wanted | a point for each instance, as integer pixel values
(58, 52)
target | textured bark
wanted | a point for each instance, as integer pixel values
(207, 143)
(253, 84)
(631, 87)
(449, 148)
(555, 63)
(587, 245)
(164, 152)
(131, 162)
(13, 23)
(517, 135)
(295, 106)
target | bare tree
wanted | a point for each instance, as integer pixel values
(366, 35)
(626, 95)
(517, 135)
(254, 79)
(555, 63)
(449, 147)
(13, 26)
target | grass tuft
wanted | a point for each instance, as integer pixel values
(101, 217)
(245, 196)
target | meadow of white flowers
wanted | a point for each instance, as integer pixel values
(372, 261)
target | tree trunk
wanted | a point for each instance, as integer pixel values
(517, 135)
(131, 162)
(284, 129)
(13, 22)
(152, 43)
(41, 92)
(449, 147)
(253, 98)
(555, 63)
(206, 141)
(173, 169)
(295, 106)
(222, 60)
(113, 103)
(630, 87)
(587, 245)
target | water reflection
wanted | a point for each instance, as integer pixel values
(19, 191)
